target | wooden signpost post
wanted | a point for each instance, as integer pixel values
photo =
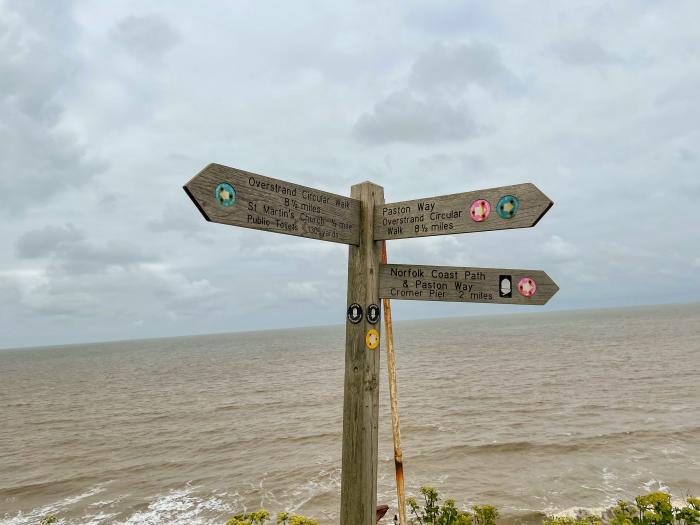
(363, 220)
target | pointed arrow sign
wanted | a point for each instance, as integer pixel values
(507, 207)
(241, 198)
(471, 285)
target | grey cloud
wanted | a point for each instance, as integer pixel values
(687, 156)
(583, 52)
(404, 117)
(461, 163)
(52, 19)
(153, 292)
(455, 67)
(10, 293)
(38, 157)
(432, 107)
(560, 249)
(450, 17)
(12, 312)
(681, 95)
(147, 37)
(72, 253)
(85, 257)
(317, 293)
(40, 243)
(182, 218)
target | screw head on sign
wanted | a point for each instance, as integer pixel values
(508, 206)
(527, 287)
(480, 210)
(225, 195)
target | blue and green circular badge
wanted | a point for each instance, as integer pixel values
(225, 195)
(508, 206)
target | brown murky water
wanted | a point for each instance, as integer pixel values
(532, 413)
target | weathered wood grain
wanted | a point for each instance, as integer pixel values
(450, 213)
(264, 203)
(414, 282)
(358, 487)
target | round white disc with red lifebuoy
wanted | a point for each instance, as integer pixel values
(480, 210)
(527, 287)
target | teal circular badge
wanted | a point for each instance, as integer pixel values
(508, 206)
(225, 195)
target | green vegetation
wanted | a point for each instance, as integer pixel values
(651, 509)
(432, 513)
(262, 516)
(564, 520)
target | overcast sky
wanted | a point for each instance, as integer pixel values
(108, 108)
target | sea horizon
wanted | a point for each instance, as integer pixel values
(524, 312)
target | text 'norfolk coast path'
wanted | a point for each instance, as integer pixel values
(468, 285)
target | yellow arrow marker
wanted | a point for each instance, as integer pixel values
(372, 339)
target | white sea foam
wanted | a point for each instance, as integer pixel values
(103, 518)
(324, 481)
(72, 500)
(655, 486)
(179, 507)
(576, 512)
(37, 514)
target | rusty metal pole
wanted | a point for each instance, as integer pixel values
(396, 431)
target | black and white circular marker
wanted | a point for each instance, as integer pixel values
(373, 313)
(355, 313)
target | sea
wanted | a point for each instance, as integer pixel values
(537, 414)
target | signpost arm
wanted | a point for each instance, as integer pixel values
(393, 397)
(358, 490)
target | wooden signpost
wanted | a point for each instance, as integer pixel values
(469, 285)
(504, 208)
(363, 220)
(240, 198)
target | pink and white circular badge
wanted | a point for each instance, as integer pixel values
(527, 287)
(480, 210)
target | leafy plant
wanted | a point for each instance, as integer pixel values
(262, 516)
(47, 520)
(285, 519)
(432, 513)
(565, 520)
(301, 520)
(655, 509)
(650, 509)
(485, 514)
(254, 518)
